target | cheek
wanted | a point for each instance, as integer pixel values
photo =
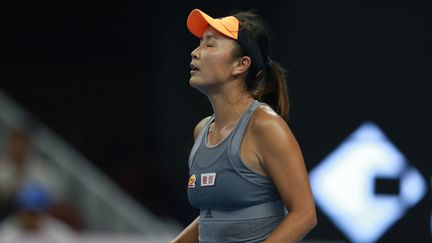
(219, 65)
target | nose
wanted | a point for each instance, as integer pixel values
(195, 53)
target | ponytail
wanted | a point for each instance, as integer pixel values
(266, 84)
(270, 86)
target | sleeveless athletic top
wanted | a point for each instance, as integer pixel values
(236, 204)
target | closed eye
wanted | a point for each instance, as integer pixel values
(207, 41)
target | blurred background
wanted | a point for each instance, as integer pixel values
(96, 115)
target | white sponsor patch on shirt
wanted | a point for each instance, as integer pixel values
(208, 179)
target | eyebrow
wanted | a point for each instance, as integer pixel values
(208, 36)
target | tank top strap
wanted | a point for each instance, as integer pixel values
(237, 138)
(199, 140)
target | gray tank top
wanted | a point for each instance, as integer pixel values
(236, 203)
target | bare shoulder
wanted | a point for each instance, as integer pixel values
(199, 126)
(266, 122)
(273, 140)
(270, 131)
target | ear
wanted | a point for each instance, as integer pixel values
(241, 65)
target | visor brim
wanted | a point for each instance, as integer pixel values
(198, 22)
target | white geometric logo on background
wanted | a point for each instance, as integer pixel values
(343, 184)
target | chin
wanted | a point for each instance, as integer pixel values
(192, 82)
(196, 83)
(199, 86)
(196, 86)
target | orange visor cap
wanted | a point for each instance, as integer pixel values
(198, 21)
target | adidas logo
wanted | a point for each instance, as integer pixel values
(208, 214)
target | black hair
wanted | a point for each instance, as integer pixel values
(269, 83)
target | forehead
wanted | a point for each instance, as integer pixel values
(212, 33)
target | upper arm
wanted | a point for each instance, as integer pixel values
(279, 152)
(198, 128)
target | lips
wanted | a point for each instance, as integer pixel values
(193, 68)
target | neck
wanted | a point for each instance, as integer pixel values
(229, 106)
